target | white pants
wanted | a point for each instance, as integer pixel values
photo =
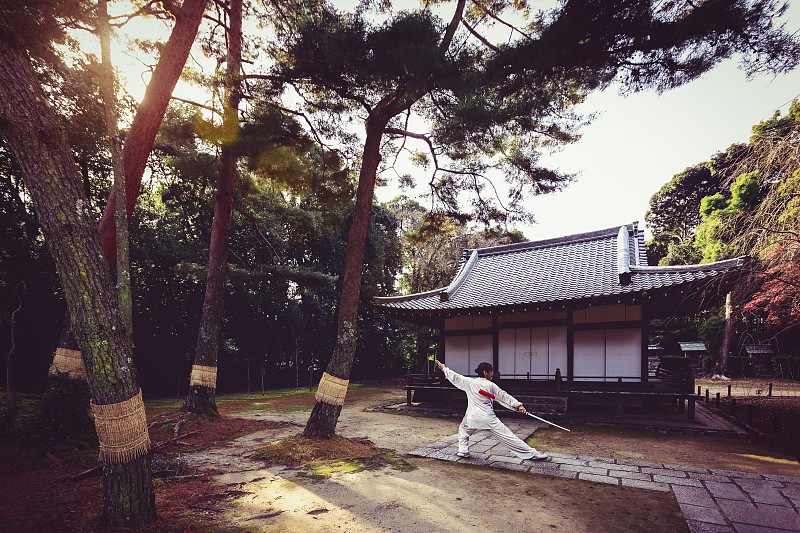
(501, 433)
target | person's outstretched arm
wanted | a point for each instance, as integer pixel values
(453, 377)
(509, 400)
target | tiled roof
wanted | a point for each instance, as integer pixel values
(758, 348)
(576, 267)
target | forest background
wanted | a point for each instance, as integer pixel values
(289, 234)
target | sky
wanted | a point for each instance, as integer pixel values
(638, 143)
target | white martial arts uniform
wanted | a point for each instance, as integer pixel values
(480, 414)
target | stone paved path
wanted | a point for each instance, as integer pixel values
(712, 501)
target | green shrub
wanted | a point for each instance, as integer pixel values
(676, 364)
(709, 364)
(740, 366)
(61, 414)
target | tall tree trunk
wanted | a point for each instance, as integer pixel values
(325, 415)
(726, 337)
(115, 147)
(40, 146)
(149, 114)
(202, 385)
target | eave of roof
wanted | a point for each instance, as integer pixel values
(560, 272)
(758, 348)
(693, 346)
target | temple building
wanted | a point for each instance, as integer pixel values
(578, 304)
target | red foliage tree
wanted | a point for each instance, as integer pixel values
(779, 296)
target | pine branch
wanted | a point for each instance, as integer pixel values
(496, 17)
(480, 37)
(147, 8)
(452, 26)
(217, 21)
(403, 144)
(197, 104)
(276, 259)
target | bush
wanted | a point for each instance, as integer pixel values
(711, 331)
(61, 414)
(709, 364)
(676, 364)
(739, 366)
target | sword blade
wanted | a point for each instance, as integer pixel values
(504, 404)
(546, 421)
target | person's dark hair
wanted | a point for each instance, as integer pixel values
(483, 367)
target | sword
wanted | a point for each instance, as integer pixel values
(504, 404)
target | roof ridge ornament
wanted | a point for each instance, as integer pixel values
(446, 294)
(623, 256)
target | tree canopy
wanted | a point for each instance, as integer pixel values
(478, 105)
(472, 107)
(745, 205)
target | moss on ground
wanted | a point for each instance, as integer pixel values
(319, 459)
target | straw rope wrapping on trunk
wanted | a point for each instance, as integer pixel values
(331, 389)
(205, 376)
(122, 430)
(69, 361)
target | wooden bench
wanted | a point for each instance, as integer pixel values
(437, 382)
(431, 382)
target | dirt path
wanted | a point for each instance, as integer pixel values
(436, 496)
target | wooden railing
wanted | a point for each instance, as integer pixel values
(665, 385)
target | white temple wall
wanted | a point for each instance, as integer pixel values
(624, 353)
(607, 354)
(589, 362)
(465, 352)
(535, 352)
(532, 351)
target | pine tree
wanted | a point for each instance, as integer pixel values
(496, 105)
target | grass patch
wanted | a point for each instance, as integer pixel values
(160, 406)
(322, 458)
(546, 438)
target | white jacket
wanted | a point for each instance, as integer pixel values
(480, 414)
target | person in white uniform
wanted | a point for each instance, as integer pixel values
(480, 413)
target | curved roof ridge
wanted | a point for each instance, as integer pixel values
(407, 297)
(544, 243)
(465, 270)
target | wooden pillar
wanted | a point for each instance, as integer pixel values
(495, 350)
(570, 346)
(440, 344)
(645, 325)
